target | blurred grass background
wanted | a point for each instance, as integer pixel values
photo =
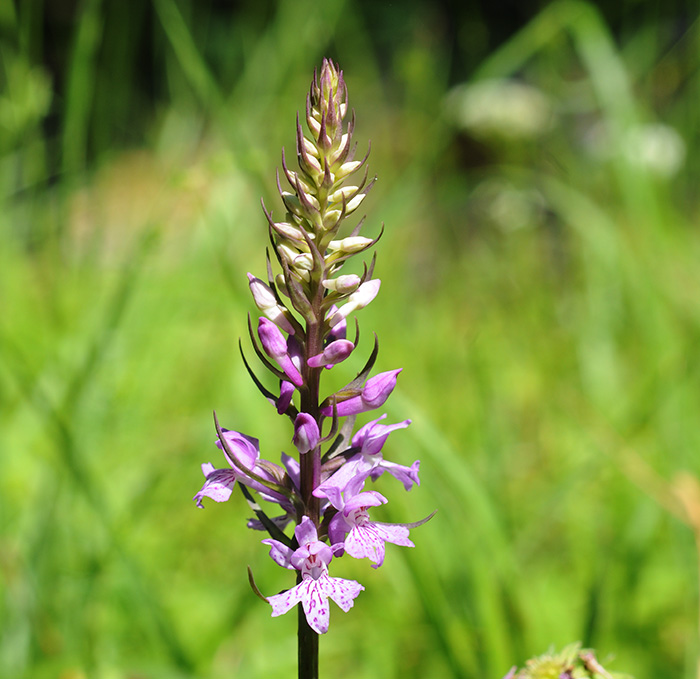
(538, 175)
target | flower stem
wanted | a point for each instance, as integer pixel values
(310, 473)
(307, 647)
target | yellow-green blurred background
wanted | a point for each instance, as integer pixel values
(538, 172)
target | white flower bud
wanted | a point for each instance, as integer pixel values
(313, 124)
(303, 262)
(337, 196)
(358, 300)
(355, 202)
(289, 231)
(292, 203)
(288, 254)
(342, 284)
(350, 245)
(299, 262)
(334, 156)
(305, 186)
(281, 284)
(263, 296)
(330, 218)
(266, 301)
(347, 168)
(310, 147)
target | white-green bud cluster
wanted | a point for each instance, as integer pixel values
(321, 196)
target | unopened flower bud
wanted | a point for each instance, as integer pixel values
(272, 339)
(299, 262)
(293, 204)
(314, 126)
(295, 351)
(334, 353)
(378, 388)
(308, 161)
(358, 300)
(266, 301)
(354, 203)
(375, 392)
(350, 245)
(286, 393)
(339, 330)
(306, 433)
(337, 196)
(303, 262)
(342, 148)
(347, 168)
(330, 218)
(281, 284)
(263, 296)
(343, 284)
(289, 231)
(275, 346)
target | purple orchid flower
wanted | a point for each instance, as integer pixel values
(316, 586)
(246, 457)
(219, 482)
(351, 526)
(293, 471)
(370, 439)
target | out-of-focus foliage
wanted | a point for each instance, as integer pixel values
(537, 180)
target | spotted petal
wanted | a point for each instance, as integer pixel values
(342, 591)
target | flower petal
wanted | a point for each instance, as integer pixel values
(342, 591)
(246, 449)
(373, 435)
(364, 542)
(283, 601)
(407, 475)
(280, 553)
(306, 532)
(218, 486)
(286, 393)
(395, 533)
(314, 600)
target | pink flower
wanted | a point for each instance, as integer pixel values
(244, 456)
(361, 537)
(316, 586)
(370, 440)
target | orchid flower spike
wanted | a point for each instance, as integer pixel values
(304, 306)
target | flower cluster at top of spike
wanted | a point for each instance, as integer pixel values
(302, 332)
